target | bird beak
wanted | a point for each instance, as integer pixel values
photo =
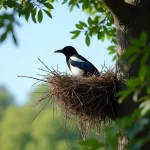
(58, 51)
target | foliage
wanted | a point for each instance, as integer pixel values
(46, 132)
(27, 8)
(130, 127)
(6, 99)
(138, 88)
(99, 24)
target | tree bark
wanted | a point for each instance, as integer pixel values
(131, 17)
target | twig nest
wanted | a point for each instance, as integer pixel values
(88, 98)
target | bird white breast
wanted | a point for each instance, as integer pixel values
(75, 70)
(76, 59)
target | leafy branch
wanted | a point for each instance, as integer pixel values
(28, 8)
(96, 27)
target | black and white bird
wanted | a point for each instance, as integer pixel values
(77, 64)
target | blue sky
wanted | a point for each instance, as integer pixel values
(40, 41)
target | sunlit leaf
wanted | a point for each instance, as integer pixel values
(40, 16)
(83, 23)
(76, 34)
(48, 5)
(14, 39)
(87, 40)
(90, 22)
(79, 26)
(3, 36)
(27, 15)
(145, 107)
(33, 15)
(48, 13)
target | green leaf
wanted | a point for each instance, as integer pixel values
(33, 15)
(108, 36)
(71, 8)
(14, 39)
(143, 39)
(27, 15)
(123, 95)
(112, 49)
(132, 59)
(85, 4)
(100, 9)
(145, 57)
(65, 1)
(43, 1)
(112, 52)
(102, 38)
(90, 22)
(20, 14)
(5, 7)
(40, 16)
(99, 35)
(79, 26)
(91, 33)
(114, 58)
(48, 13)
(95, 144)
(3, 36)
(97, 29)
(96, 19)
(1, 24)
(133, 82)
(77, 5)
(83, 24)
(48, 5)
(141, 42)
(129, 52)
(76, 34)
(145, 107)
(87, 40)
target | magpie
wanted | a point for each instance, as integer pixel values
(77, 64)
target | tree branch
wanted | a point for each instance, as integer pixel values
(119, 8)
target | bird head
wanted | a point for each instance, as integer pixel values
(68, 51)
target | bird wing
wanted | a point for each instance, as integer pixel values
(86, 66)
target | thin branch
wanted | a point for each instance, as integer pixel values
(43, 98)
(44, 64)
(32, 78)
(35, 83)
(39, 92)
(41, 75)
(43, 70)
(105, 18)
(40, 111)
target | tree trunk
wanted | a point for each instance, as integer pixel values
(131, 17)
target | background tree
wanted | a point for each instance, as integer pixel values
(6, 99)
(46, 131)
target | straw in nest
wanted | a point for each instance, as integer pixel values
(88, 98)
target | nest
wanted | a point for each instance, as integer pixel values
(88, 98)
(91, 99)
